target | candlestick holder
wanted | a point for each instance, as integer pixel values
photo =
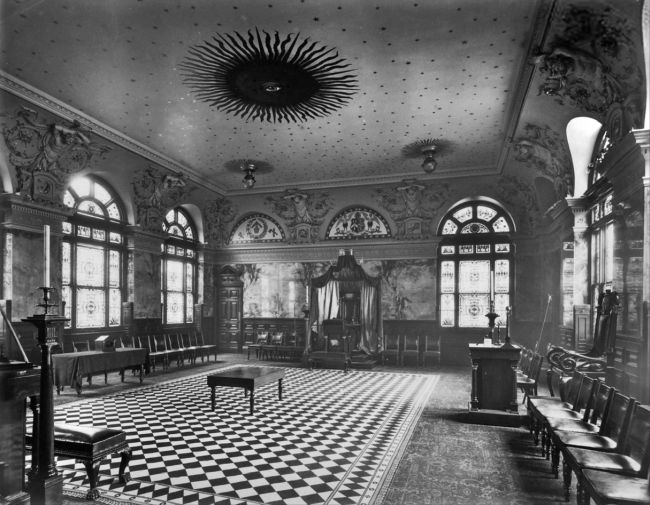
(491, 318)
(507, 342)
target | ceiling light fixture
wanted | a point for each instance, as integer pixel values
(429, 164)
(249, 179)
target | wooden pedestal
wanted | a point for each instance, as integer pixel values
(494, 377)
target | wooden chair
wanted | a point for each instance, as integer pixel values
(392, 349)
(632, 461)
(206, 348)
(606, 488)
(191, 348)
(431, 349)
(157, 350)
(609, 438)
(81, 346)
(527, 382)
(411, 349)
(261, 340)
(173, 348)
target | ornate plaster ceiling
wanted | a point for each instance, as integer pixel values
(454, 70)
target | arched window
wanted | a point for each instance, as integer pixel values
(93, 256)
(178, 268)
(475, 264)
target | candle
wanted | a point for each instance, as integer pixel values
(46, 255)
(492, 285)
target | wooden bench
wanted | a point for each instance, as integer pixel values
(90, 445)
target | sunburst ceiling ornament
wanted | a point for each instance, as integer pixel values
(269, 78)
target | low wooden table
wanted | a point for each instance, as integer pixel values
(247, 377)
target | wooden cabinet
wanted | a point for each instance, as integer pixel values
(494, 377)
(230, 301)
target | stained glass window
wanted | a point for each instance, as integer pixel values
(475, 264)
(92, 256)
(178, 292)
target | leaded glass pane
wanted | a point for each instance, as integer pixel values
(450, 228)
(101, 194)
(472, 309)
(474, 276)
(81, 186)
(189, 234)
(501, 301)
(466, 249)
(447, 310)
(189, 306)
(607, 206)
(169, 217)
(67, 228)
(501, 225)
(175, 304)
(83, 231)
(176, 231)
(447, 276)
(66, 263)
(464, 214)
(174, 275)
(90, 266)
(114, 211)
(180, 219)
(114, 268)
(68, 199)
(115, 238)
(448, 249)
(475, 228)
(99, 234)
(91, 308)
(171, 249)
(190, 253)
(114, 307)
(180, 251)
(485, 213)
(501, 276)
(90, 207)
(482, 248)
(66, 296)
(501, 248)
(189, 276)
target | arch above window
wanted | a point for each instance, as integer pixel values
(357, 223)
(179, 224)
(474, 217)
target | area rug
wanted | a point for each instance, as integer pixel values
(334, 438)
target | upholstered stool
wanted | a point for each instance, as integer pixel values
(90, 445)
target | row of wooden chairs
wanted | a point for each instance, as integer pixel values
(602, 436)
(178, 347)
(399, 349)
(275, 346)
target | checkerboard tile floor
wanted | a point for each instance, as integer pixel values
(331, 439)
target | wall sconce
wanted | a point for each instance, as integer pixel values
(249, 179)
(429, 164)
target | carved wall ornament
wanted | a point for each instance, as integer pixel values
(302, 211)
(413, 206)
(545, 151)
(256, 228)
(357, 223)
(594, 63)
(154, 193)
(45, 155)
(218, 215)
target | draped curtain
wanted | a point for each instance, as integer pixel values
(328, 301)
(369, 318)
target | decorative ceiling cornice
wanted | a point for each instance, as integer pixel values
(23, 90)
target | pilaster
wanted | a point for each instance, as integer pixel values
(579, 207)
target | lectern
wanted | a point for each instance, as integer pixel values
(494, 377)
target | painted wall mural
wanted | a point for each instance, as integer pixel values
(44, 154)
(219, 213)
(302, 212)
(357, 223)
(256, 228)
(413, 206)
(279, 289)
(155, 192)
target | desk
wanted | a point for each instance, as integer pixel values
(71, 367)
(247, 377)
(494, 377)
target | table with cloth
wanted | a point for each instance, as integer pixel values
(70, 368)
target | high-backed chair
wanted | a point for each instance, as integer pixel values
(205, 348)
(431, 349)
(411, 349)
(392, 349)
(527, 382)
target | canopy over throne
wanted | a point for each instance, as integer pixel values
(347, 300)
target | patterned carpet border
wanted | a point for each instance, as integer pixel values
(334, 439)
